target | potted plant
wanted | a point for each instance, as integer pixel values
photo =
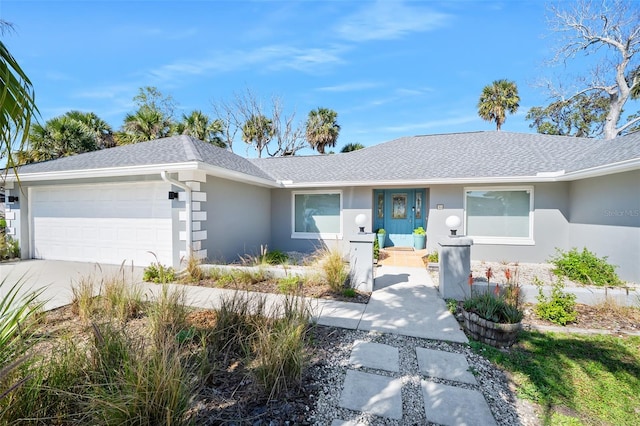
(494, 316)
(433, 261)
(419, 238)
(382, 235)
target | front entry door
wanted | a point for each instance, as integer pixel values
(399, 212)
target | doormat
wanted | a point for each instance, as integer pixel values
(398, 248)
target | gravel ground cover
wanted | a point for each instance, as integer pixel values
(335, 349)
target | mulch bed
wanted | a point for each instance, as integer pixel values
(607, 317)
(313, 290)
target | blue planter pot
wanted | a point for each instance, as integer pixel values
(381, 239)
(419, 241)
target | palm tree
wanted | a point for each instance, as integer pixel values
(496, 100)
(352, 147)
(200, 126)
(17, 102)
(61, 136)
(100, 129)
(145, 124)
(74, 132)
(322, 129)
(258, 131)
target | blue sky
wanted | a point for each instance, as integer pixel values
(389, 68)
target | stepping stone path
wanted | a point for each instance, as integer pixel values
(454, 402)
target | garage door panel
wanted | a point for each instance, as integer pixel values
(103, 223)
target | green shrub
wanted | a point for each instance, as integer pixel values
(493, 308)
(289, 285)
(158, 273)
(433, 257)
(419, 231)
(559, 307)
(452, 305)
(585, 267)
(9, 248)
(275, 257)
(349, 292)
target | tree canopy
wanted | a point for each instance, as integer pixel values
(607, 32)
(72, 133)
(258, 131)
(200, 126)
(322, 129)
(498, 99)
(351, 147)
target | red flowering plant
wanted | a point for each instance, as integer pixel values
(494, 304)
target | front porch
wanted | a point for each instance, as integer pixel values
(408, 258)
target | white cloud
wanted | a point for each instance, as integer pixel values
(385, 20)
(107, 92)
(274, 57)
(349, 87)
(402, 92)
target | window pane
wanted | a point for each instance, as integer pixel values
(498, 213)
(317, 213)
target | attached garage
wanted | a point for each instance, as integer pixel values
(105, 223)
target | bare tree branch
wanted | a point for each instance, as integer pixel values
(609, 31)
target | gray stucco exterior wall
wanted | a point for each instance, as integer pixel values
(238, 219)
(355, 200)
(550, 227)
(605, 218)
(601, 214)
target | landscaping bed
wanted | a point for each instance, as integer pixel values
(604, 317)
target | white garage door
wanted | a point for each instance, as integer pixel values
(106, 223)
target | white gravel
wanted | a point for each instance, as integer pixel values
(330, 374)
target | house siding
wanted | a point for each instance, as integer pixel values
(550, 223)
(238, 219)
(605, 218)
(355, 200)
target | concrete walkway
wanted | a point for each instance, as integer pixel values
(404, 301)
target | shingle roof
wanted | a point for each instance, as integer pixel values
(420, 158)
(175, 149)
(456, 155)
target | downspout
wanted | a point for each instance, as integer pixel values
(187, 207)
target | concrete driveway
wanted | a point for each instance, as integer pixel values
(57, 277)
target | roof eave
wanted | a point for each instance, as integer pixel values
(143, 170)
(101, 172)
(223, 173)
(607, 169)
(423, 182)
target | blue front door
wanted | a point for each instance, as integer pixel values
(399, 212)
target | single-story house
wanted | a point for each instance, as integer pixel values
(520, 196)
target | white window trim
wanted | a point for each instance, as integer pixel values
(314, 235)
(521, 241)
